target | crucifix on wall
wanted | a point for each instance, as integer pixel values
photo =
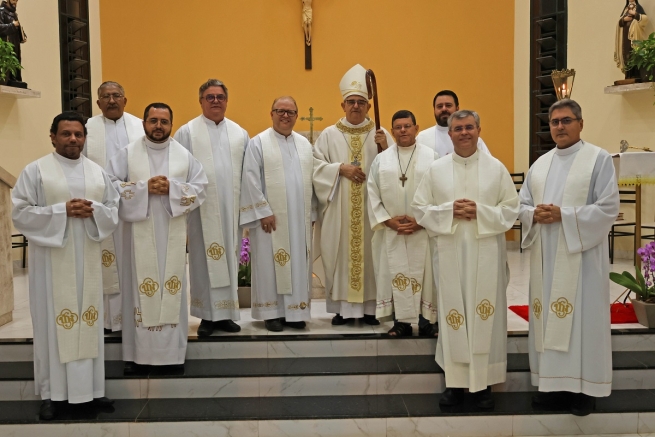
(307, 28)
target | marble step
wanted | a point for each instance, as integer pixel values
(628, 412)
(224, 346)
(341, 376)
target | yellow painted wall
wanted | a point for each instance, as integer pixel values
(521, 85)
(163, 51)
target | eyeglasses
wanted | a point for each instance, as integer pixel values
(565, 121)
(108, 97)
(467, 128)
(211, 98)
(405, 126)
(281, 112)
(163, 121)
(351, 102)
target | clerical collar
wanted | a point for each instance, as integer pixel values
(408, 149)
(212, 122)
(462, 160)
(349, 124)
(281, 136)
(569, 150)
(442, 128)
(67, 160)
(157, 146)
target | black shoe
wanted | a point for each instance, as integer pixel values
(428, 330)
(370, 319)
(484, 399)
(294, 325)
(338, 320)
(103, 402)
(206, 328)
(551, 399)
(582, 404)
(47, 410)
(400, 329)
(227, 326)
(274, 325)
(108, 331)
(451, 397)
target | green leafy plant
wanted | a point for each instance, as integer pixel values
(642, 284)
(643, 55)
(8, 61)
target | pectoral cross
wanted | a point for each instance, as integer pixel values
(311, 120)
(403, 178)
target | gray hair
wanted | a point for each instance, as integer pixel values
(462, 114)
(210, 83)
(284, 98)
(566, 103)
(110, 83)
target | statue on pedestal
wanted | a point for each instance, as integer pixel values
(12, 31)
(629, 28)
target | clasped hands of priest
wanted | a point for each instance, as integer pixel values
(403, 224)
(79, 208)
(158, 185)
(465, 209)
(547, 214)
(352, 172)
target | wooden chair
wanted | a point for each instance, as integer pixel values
(626, 196)
(519, 179)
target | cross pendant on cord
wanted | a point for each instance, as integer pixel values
(403, 178)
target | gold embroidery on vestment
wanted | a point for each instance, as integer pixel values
(246, 208)
(215, 251)
(90, 316)
(226, 305)
(356, 256)
(264, 304)
(261, 204)
(300, 306)
(173, 285)
(149, 287)
(137, 316)
(537, 308)
(561, 307)
(454, 319)
(127, 194)
(187, 200)
(401, 282)
(127, 184)
(355, 130)
(281, 257)
(416, 286)
(107, 258)
(67, 319)
(485, 309)
(197, 303)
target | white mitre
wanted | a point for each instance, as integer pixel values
(354, 82)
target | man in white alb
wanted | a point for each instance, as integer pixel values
(159, 183)
(277, 206)
(569, 201)
(401, 247)
(344, 153)
(107, 134)
(467, 201)
(66, 205)
(218, 144)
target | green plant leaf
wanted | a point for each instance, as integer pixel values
(627, 283)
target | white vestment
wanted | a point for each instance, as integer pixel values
(437, 138)
(219, 303)
(403, 263)
(45, 227)
(267, 301)
(587, 366)
(343, 238)
(470, 264)
(113, 135)
(164, 344)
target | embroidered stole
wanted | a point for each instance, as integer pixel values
(96, 151)
(567, 265)
(160, 304)
(407, 266)
(210, 213)
(276, 193)
(77, 334)
(450, 287)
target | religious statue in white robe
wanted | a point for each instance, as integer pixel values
(214, 238)
(402, 263)
(470, 264)
(343, 239)
(570, 336)
(65, 285)
(155, 225)
(437, 138)
(104, 139)
(277, 180)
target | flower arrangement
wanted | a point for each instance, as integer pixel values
(644, 284)
(244, 264)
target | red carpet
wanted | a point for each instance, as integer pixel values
(620, 313)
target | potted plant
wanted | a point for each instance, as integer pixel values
(643, 57)
(8, 61)
(244, 274)
(643, 285)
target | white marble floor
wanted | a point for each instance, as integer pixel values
(517, 294)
